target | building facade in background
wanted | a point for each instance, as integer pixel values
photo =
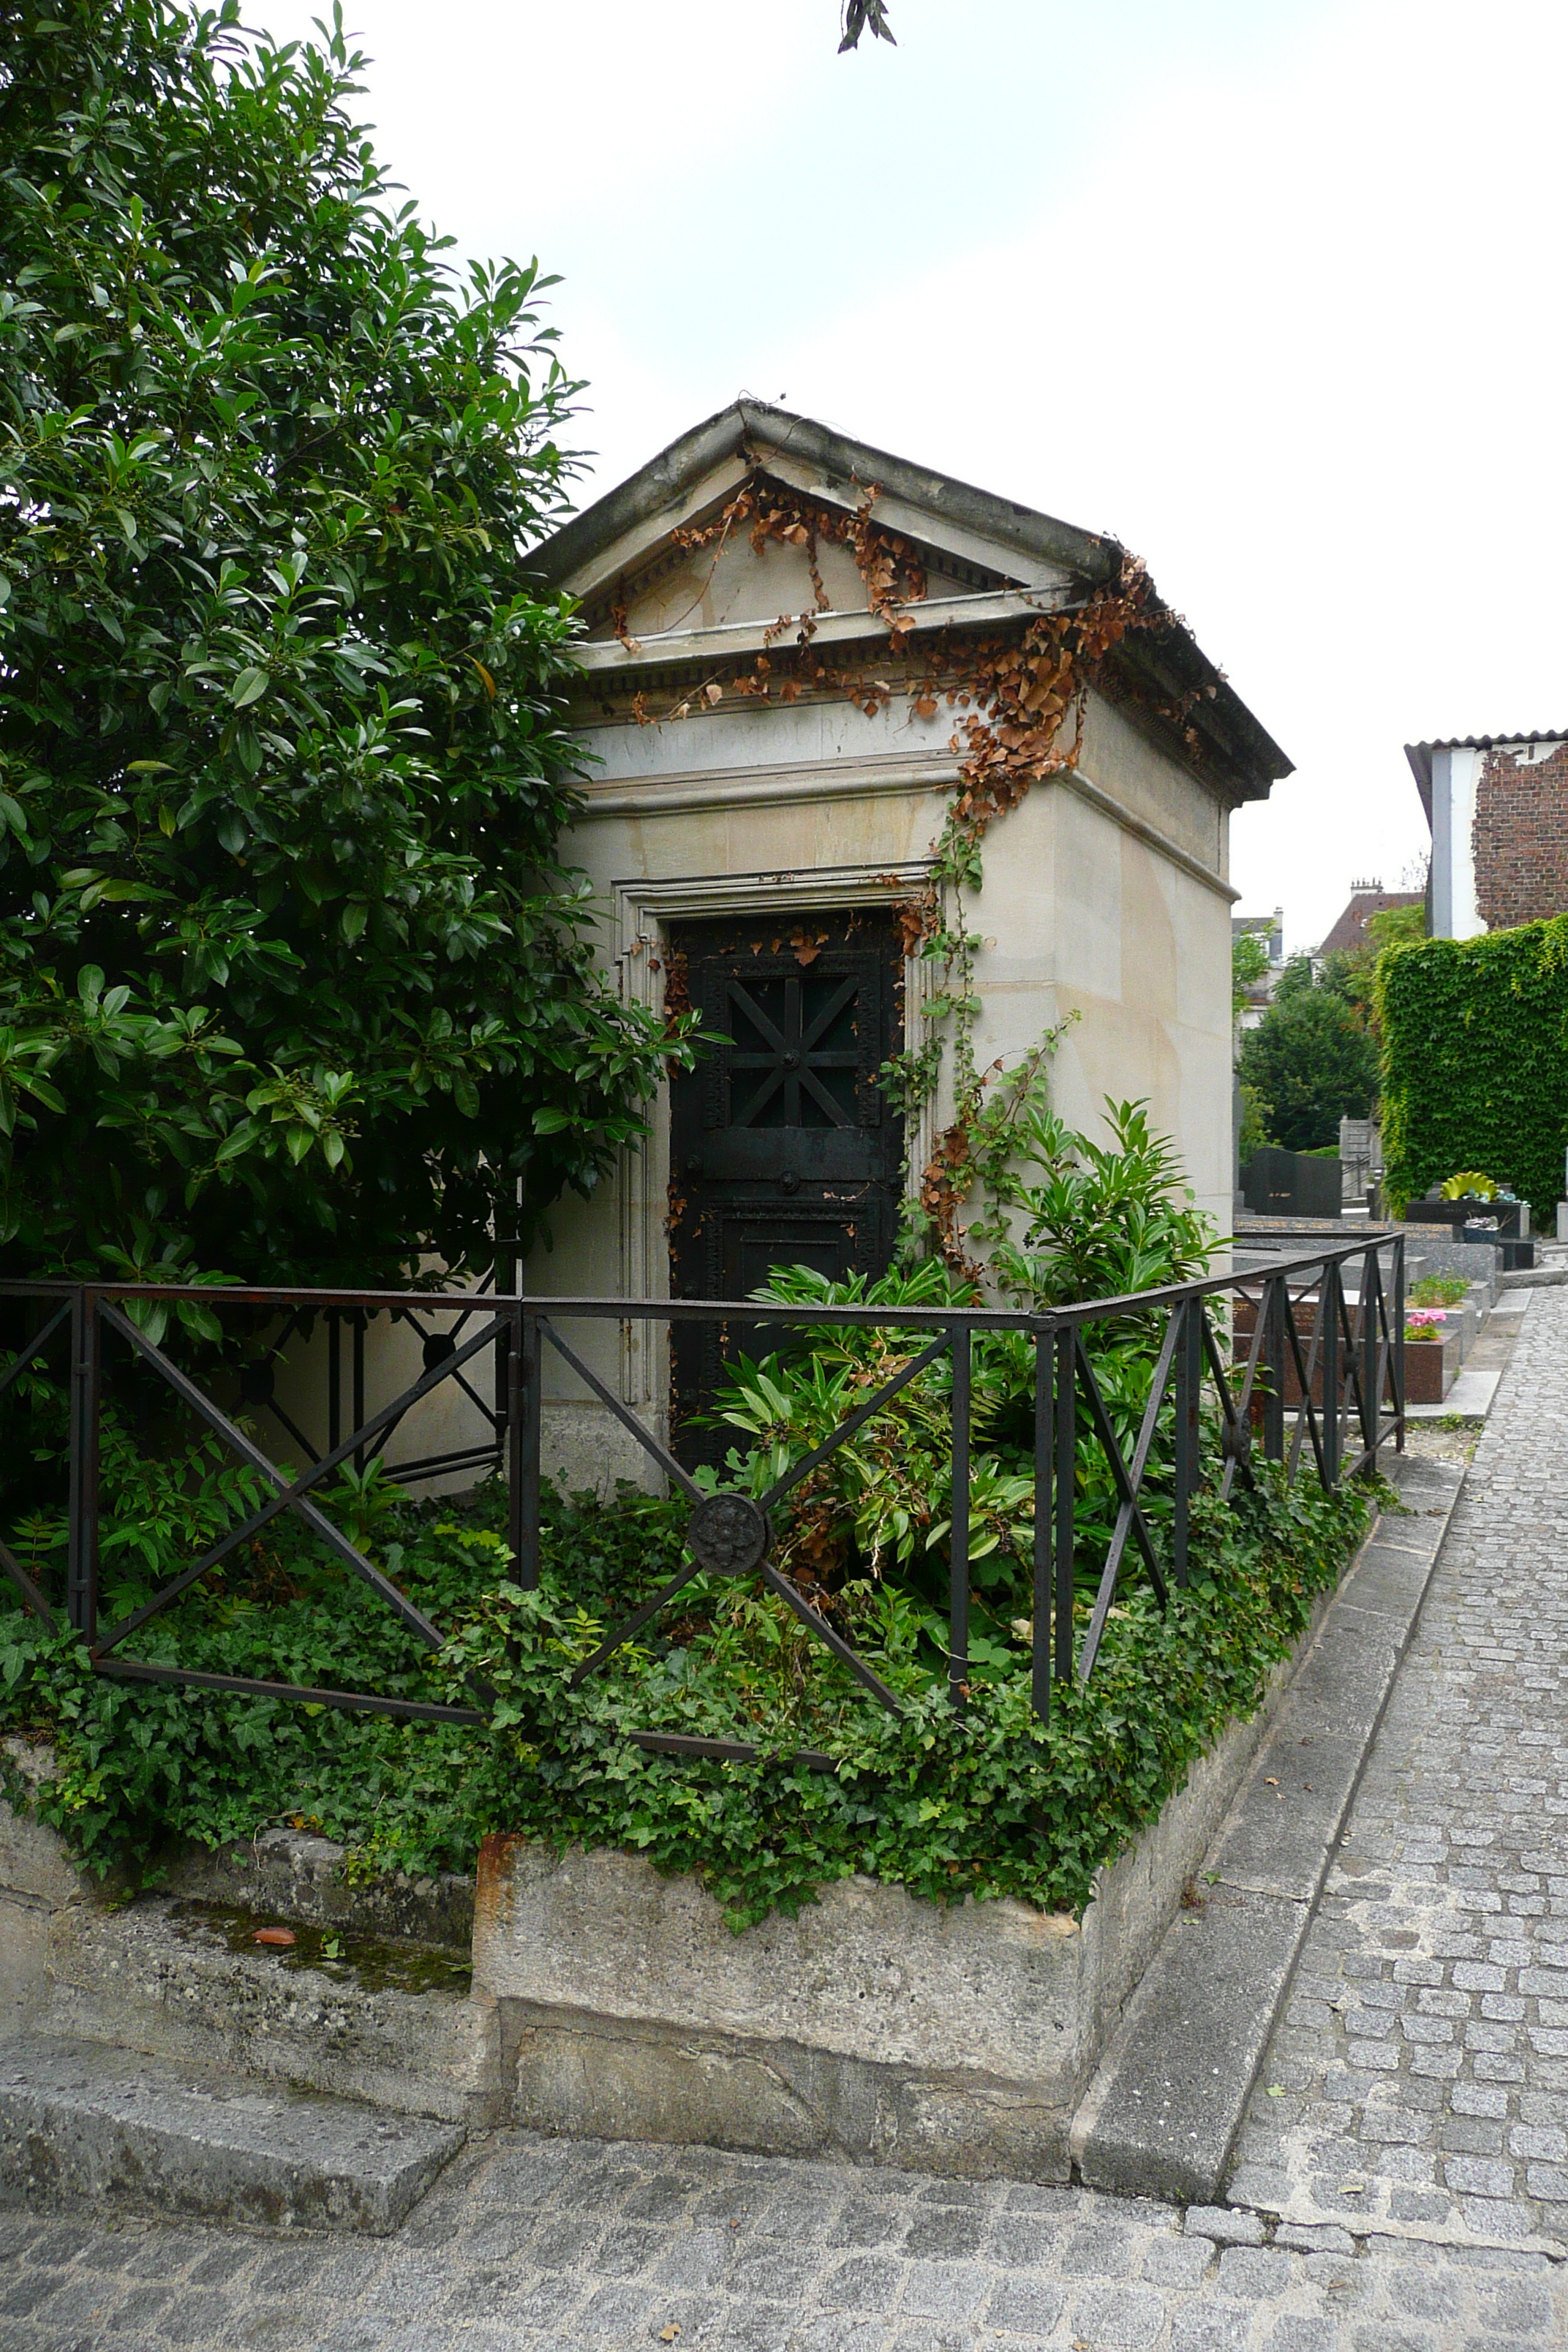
(1270, 930)
(1497, 807)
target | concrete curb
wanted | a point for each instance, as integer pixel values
(1161, 2116)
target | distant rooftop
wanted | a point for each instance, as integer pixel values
(1367, 898)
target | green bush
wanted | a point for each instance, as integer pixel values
(290, 979)
(987, 1802)
(1311, 1060)
(1475, 1062)
(1440, 1290)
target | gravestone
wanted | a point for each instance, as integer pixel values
(1291, 1184)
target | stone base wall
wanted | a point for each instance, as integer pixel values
(610, 2002)
(38, 1879)
(873, 2026)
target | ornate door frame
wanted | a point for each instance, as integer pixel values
(644, 910)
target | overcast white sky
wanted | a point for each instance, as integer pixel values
(1270, 289)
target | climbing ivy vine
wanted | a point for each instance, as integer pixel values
(1474, 1061)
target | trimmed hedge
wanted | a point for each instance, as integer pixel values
(1474, 1061)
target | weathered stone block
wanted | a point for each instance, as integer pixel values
(874, 2025)
(38, 1877)
(34, 1862)
(168, 1980)
(302, 1876)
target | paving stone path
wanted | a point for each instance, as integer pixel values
(532, 2245)
(1404, 2156)
(1421, 2074)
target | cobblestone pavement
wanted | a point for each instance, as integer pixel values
(1420, 2075)
(535, 2246)
(1419, 2085)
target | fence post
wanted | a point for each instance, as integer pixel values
(1328, 1293)
(506, 1345)
(1066, 1489)
(524, 1420)
(958, 1528)
(334, 1380)
(1399, 1339)
(359, 1321)
(87, 1339)
(1370, 1299)
(1041, 1645)
(513, 1402)
(1275, 1305)
(1189, 1392)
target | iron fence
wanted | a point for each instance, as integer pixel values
(1297, 1335)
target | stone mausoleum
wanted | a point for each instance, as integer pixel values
(768, 764)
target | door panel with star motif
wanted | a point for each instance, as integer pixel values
(783, 1148)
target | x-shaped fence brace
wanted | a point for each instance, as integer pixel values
(1350, 1362)
(258, 1387)
(91, 1314)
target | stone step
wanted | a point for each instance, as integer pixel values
(390, 2024)
(84, 2124)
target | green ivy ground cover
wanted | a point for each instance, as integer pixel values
(986, 1803)
(1475, 1062)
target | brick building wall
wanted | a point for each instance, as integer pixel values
(1520, 837)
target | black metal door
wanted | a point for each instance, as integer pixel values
(784, 1149)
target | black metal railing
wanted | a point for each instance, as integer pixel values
(1320, 1379)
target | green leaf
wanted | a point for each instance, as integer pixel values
(238, 1141)
(256, 728)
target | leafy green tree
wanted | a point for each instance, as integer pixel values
(1255, 1118)
(1351, 973)
(1396, 927)
(1249, 965)
(291, 983)
(1311, 1059)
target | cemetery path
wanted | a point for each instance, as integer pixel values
(535, 2245)
(1424, 2058)
(1420, 2073)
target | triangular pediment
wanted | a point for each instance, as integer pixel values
(666, 583)
(624, 560)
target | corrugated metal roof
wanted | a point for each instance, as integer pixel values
(1490, 742)
(1420, 754)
